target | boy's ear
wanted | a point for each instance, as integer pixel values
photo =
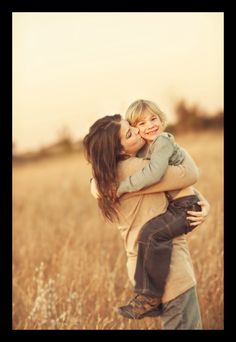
(122, 152)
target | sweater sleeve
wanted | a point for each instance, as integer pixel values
(175, 178)
(151, 173)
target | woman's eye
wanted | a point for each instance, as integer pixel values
(153, 119)
(141, 124)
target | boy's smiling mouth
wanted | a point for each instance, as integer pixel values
(153, 131)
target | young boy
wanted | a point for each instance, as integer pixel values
(155, 239)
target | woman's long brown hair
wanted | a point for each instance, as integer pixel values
(103, 148)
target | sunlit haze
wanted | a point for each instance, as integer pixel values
(69, 69)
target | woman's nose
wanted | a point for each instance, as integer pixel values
(136, 130)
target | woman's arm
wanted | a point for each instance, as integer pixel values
(176, 177)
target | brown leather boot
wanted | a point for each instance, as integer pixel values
(141, 306)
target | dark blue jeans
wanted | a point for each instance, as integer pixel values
(155, 245)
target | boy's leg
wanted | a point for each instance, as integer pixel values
(145, 303)
(182, 313)
(153, 262)
(154, 252)
(155, 245)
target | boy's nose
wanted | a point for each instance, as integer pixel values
(149, 124)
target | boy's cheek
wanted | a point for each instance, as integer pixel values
(142, 134)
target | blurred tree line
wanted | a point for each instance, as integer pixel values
(192, 118)
(188, 119)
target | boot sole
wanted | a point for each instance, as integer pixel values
(152, 313)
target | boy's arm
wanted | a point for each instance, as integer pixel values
(176, 177)
(153, 171)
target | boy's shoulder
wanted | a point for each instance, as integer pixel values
(164, 136)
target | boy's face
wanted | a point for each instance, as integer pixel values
(150, 127)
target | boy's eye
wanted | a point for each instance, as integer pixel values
(141, 124)
(154, 118)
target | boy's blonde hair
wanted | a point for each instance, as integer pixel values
(137, 110)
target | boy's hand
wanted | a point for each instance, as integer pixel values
(120, 191)
(94, 191)
(93, 188)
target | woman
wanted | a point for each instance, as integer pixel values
(110, 147)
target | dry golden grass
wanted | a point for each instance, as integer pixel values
(69, 267)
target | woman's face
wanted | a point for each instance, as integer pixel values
(130, 139)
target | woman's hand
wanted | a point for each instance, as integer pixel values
(93, 188)
(199, 217)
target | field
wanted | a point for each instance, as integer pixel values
(69, 267)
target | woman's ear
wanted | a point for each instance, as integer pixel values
(122, 152)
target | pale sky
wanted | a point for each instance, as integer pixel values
(70, 69)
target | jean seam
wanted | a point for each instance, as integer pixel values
(146, 282)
